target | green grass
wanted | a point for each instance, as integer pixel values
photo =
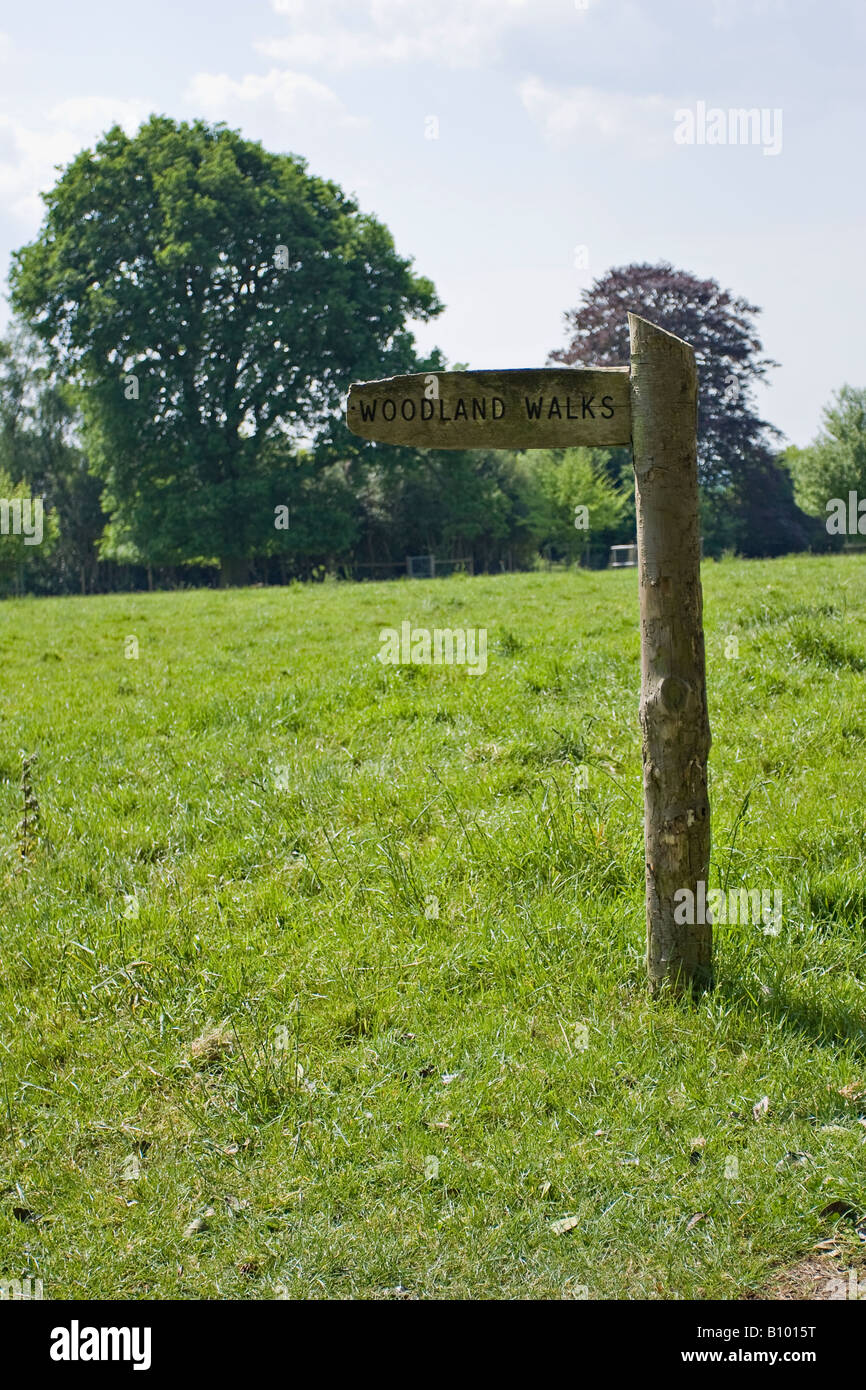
(287, 816)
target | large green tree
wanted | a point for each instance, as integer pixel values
(207, 297)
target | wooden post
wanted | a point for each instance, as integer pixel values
(673, 705)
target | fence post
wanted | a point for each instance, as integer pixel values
(673, 705)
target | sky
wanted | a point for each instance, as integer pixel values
(516, 149)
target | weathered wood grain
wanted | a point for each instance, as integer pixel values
(543, 408)
(673, 704)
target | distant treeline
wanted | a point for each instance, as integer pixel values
(171, 392)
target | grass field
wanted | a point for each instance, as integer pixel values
(322, 978)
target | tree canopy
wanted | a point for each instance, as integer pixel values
(747, 498)
(718, 325)
(207, 297)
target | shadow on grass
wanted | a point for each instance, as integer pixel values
(826, 1024)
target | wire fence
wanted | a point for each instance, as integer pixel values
(413, 567)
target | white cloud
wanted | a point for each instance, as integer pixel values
(29, 154)
(94, 115)
(341, 34)
(292, 94)
(569, 114)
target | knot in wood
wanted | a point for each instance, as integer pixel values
(674, 694)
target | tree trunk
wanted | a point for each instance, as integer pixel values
(234, 571)
(673, 707)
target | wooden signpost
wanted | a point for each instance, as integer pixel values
(495, 410)
(651, 405)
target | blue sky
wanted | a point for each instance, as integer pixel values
(554, 127)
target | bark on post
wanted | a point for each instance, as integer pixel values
(673, 706)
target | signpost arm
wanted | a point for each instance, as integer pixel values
(673, 705)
